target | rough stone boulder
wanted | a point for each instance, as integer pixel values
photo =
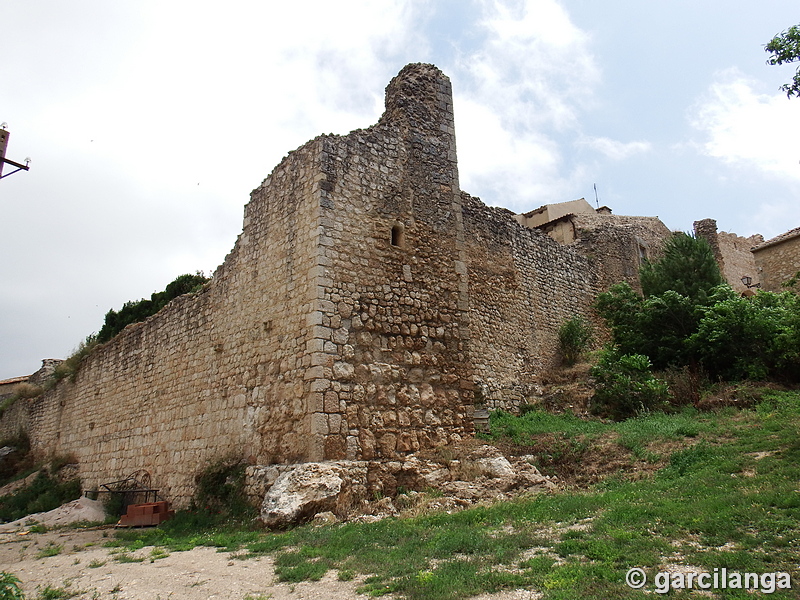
(310, 488)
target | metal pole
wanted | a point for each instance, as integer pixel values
(3, 145)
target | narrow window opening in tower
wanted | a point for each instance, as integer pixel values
(398, 236)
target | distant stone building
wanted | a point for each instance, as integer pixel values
(778, 260)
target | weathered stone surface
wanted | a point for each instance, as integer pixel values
(777, 261)
(495, 467)
(732, 253)
(312, 488)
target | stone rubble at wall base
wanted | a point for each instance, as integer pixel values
(291, 494)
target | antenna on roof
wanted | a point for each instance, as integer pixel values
(596, 199)
(3, 160)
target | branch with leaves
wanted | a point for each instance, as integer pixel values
(785, 48)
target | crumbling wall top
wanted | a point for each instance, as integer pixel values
(420, 95)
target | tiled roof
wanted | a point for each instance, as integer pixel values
(792, 233)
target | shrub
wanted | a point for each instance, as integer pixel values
(750, 338)
(134, 312)
(686, 385)
(26, 390)
(684, 320)
(624, 385)
(19, 462)
(220, 490)
(574, 336)
(69, 367)
(9, 587)
(42, 495)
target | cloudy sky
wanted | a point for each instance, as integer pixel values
(149, 123)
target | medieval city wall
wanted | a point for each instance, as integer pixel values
(523, 287)
(616, 245)
(218, 373)
(363, 301)
(337, 327)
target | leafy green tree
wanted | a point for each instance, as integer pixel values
(675, 288)
(687, 267)
(785, 48)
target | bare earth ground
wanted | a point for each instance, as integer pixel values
(198, 574)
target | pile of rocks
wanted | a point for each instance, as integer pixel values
(351, 489)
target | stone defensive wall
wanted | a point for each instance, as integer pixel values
(523, 285)
(219, 373)
(336, 328)
(365, 310)
(733, 253)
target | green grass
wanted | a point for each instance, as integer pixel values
(727, 496)
(10, 587)
(51, 549)
(124, 557)
(58, 593)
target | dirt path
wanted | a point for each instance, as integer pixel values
(84, 565)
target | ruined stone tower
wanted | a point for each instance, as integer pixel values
(387, 362)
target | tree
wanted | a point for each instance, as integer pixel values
(675, 289)
(134, 312)
(785, 48)
(687, 267)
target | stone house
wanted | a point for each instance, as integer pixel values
(778, 260)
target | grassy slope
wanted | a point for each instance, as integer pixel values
(723, 492)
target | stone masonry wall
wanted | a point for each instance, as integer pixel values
(337, 327)
(214, 374)
(523, 286)
(732, 252)
(395, 374)
(617, 244)
(363, 301)
(15, 419)
(778, 260)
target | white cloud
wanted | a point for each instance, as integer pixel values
(745, 128)
(514, 168)
(221, 95)
(150, 124)
(613, 149)
(523, 85)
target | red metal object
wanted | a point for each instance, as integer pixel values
(142, 515)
